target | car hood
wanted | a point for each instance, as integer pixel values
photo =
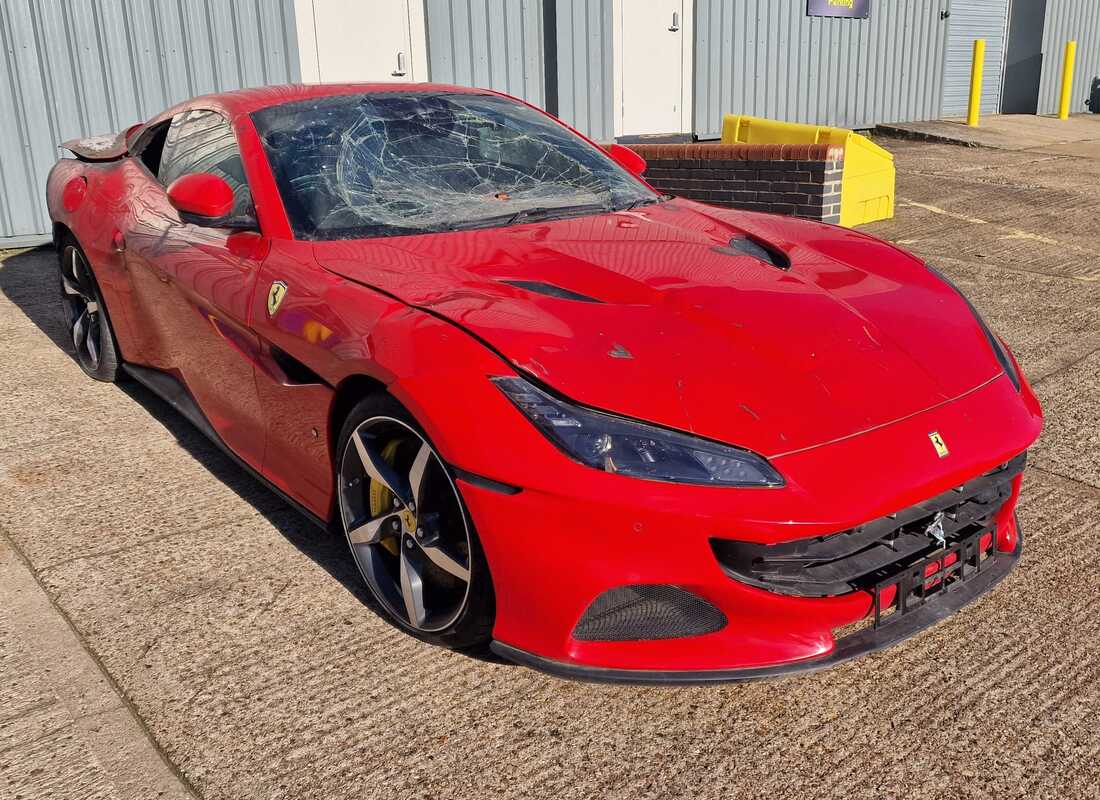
(651, 314)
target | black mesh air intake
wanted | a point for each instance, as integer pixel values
(647, 611)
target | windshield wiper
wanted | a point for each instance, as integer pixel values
(644, 201)
(532, 215)
(552, 212)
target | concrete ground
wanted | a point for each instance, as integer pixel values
(1079, 135)
(237, 635)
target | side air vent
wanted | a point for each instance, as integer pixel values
(550, 290)
(296, 372)
(647, 611)
(747, 246)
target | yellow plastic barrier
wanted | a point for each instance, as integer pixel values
(867, 183)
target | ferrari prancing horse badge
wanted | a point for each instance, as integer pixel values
(275, 297)
(939, 444)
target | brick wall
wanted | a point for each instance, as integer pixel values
(801, 180)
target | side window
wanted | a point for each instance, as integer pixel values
(151, 145)
(203, 141)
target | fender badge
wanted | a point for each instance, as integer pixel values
(275, 297)
(939, 444)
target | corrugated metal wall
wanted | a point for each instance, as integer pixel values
(770, 59)
(970, 20)
(492, 44)
(81, 67)
(584, 76)
(1066, 20)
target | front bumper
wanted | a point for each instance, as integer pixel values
(868, 640)
(570, 534)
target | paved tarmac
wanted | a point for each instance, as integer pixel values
(236, 641)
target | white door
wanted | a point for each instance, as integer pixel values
(652, 37)
(351, 40)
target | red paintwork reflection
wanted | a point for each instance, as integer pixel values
(202, 194)
(837, 369)
(627, 158)
(825, 335)
(73, 193)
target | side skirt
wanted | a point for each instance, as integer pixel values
(172, 391)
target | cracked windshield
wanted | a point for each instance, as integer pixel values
(390, 164)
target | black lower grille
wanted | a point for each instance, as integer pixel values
(918, 583)
(864, 556)
(647, 611)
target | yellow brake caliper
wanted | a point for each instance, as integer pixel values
(381, 498)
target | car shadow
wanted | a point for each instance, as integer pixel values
(29, 280)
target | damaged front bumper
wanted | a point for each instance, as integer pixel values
(557, 552)
(878, 634)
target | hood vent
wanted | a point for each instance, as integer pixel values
(747, 246)
(550, 290)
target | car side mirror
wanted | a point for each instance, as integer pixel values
(205, 199)
(627, 159)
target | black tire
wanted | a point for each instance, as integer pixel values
(96, 350)
(471, 628)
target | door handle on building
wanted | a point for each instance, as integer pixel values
(675, 26)
(400, 64)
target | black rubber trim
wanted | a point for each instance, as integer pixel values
(482, 482)
(172, 391)
(866, 641)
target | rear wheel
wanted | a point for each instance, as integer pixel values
(408, 529)
(86, 316)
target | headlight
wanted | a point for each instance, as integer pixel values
(994, 340)
(619, 445)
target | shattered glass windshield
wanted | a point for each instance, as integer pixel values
(386, 164)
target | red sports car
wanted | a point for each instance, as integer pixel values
(613, 435)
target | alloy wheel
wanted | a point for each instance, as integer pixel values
(405, 524)
(81, 302)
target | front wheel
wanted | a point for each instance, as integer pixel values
(86, 316)
(408, 529)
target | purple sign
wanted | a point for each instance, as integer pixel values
(838, 8)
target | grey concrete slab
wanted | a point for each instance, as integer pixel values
(1076, 135)
(65, 732)
(1071, 443)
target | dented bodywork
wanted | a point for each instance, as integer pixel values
(110, 147)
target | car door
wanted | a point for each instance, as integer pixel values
(193, 284)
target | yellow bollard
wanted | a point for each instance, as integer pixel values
(973, 112)
(1067, 79)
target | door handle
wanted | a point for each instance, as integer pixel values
(400, 64)
(675, 26)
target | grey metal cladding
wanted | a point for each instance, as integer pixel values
(585, 75)
(970, 20)
(490, 44)
(1078, 20)
(770, 59)
(75, 68)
